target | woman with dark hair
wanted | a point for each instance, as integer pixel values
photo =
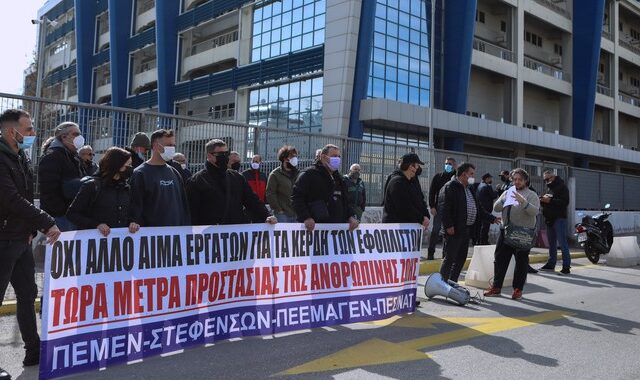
(103, 201)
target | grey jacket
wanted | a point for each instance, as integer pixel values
(521, 215)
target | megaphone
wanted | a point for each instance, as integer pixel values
(436, 286)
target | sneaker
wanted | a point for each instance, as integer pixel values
(547, 267)
(4, 375)
(492, 292)
(517, 294)
(565, 270)
(32, 357)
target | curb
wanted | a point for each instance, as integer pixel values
(9, 307)
(426, 267)
(432, 266)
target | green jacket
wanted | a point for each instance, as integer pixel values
(279, 188)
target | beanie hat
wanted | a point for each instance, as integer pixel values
(140, 139)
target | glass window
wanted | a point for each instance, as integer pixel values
(400, 53)
(302, 20)
(295, 105)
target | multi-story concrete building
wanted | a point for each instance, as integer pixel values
(548, 79)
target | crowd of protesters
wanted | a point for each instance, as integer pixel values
(148, 184)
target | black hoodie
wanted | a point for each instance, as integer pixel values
(557, 209)
(19, 218)
(403, 200)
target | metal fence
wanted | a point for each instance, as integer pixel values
(104, 127)
(595, 189)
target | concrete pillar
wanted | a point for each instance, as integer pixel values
(518, 24)
(245, 28)
(340, 49)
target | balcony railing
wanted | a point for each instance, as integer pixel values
(104, 81)
(634, 47)
(218, 40)
(603, 90)
(546, 69)
(150, 65)
(554, 7)
(145, 6)
(629, 99)
(606, 33)
(489, 48)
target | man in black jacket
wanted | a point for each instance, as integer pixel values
(459, 210)
(19, 220)
(218, 194)
(486, 195)
(437, 182)
(403, 198)
(320, 194)
(59, 173)
(554, 209)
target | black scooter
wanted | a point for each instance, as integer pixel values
(595, 234)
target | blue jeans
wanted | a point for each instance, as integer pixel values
(64, 224)
(557, 233)
(284, 218)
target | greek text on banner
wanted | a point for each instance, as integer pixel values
(128, 296)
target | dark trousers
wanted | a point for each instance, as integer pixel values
(501, 264)
(18, 268)
(484, 233)
(436, 224)
(455, 250)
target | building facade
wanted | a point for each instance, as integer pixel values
(557, 80)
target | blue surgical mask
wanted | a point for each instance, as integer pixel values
(334, 163)
(27, 141)
(448, 168)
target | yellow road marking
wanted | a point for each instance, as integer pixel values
(377, 351)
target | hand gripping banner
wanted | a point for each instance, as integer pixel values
(130, 296)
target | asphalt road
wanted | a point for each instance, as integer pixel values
(582, 326)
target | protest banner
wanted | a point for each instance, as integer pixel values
(129, 296)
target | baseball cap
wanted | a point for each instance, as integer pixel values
(411, 158)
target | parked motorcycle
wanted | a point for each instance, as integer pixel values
(595, 234)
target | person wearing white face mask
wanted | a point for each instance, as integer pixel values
(158, 197)
(320, 194)
(59, 173)
(459, 210)
(256, 178)
(280, 185)
(179, 162)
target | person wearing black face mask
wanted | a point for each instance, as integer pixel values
(103, 201)
(403, 197)
(220, 195)
(234, 161)
(555, 203)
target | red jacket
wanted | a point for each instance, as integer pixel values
(258, 182)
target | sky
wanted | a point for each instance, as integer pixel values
(17, 41)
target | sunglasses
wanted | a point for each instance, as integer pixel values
(221, 154)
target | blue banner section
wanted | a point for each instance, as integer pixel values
(99, 349)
